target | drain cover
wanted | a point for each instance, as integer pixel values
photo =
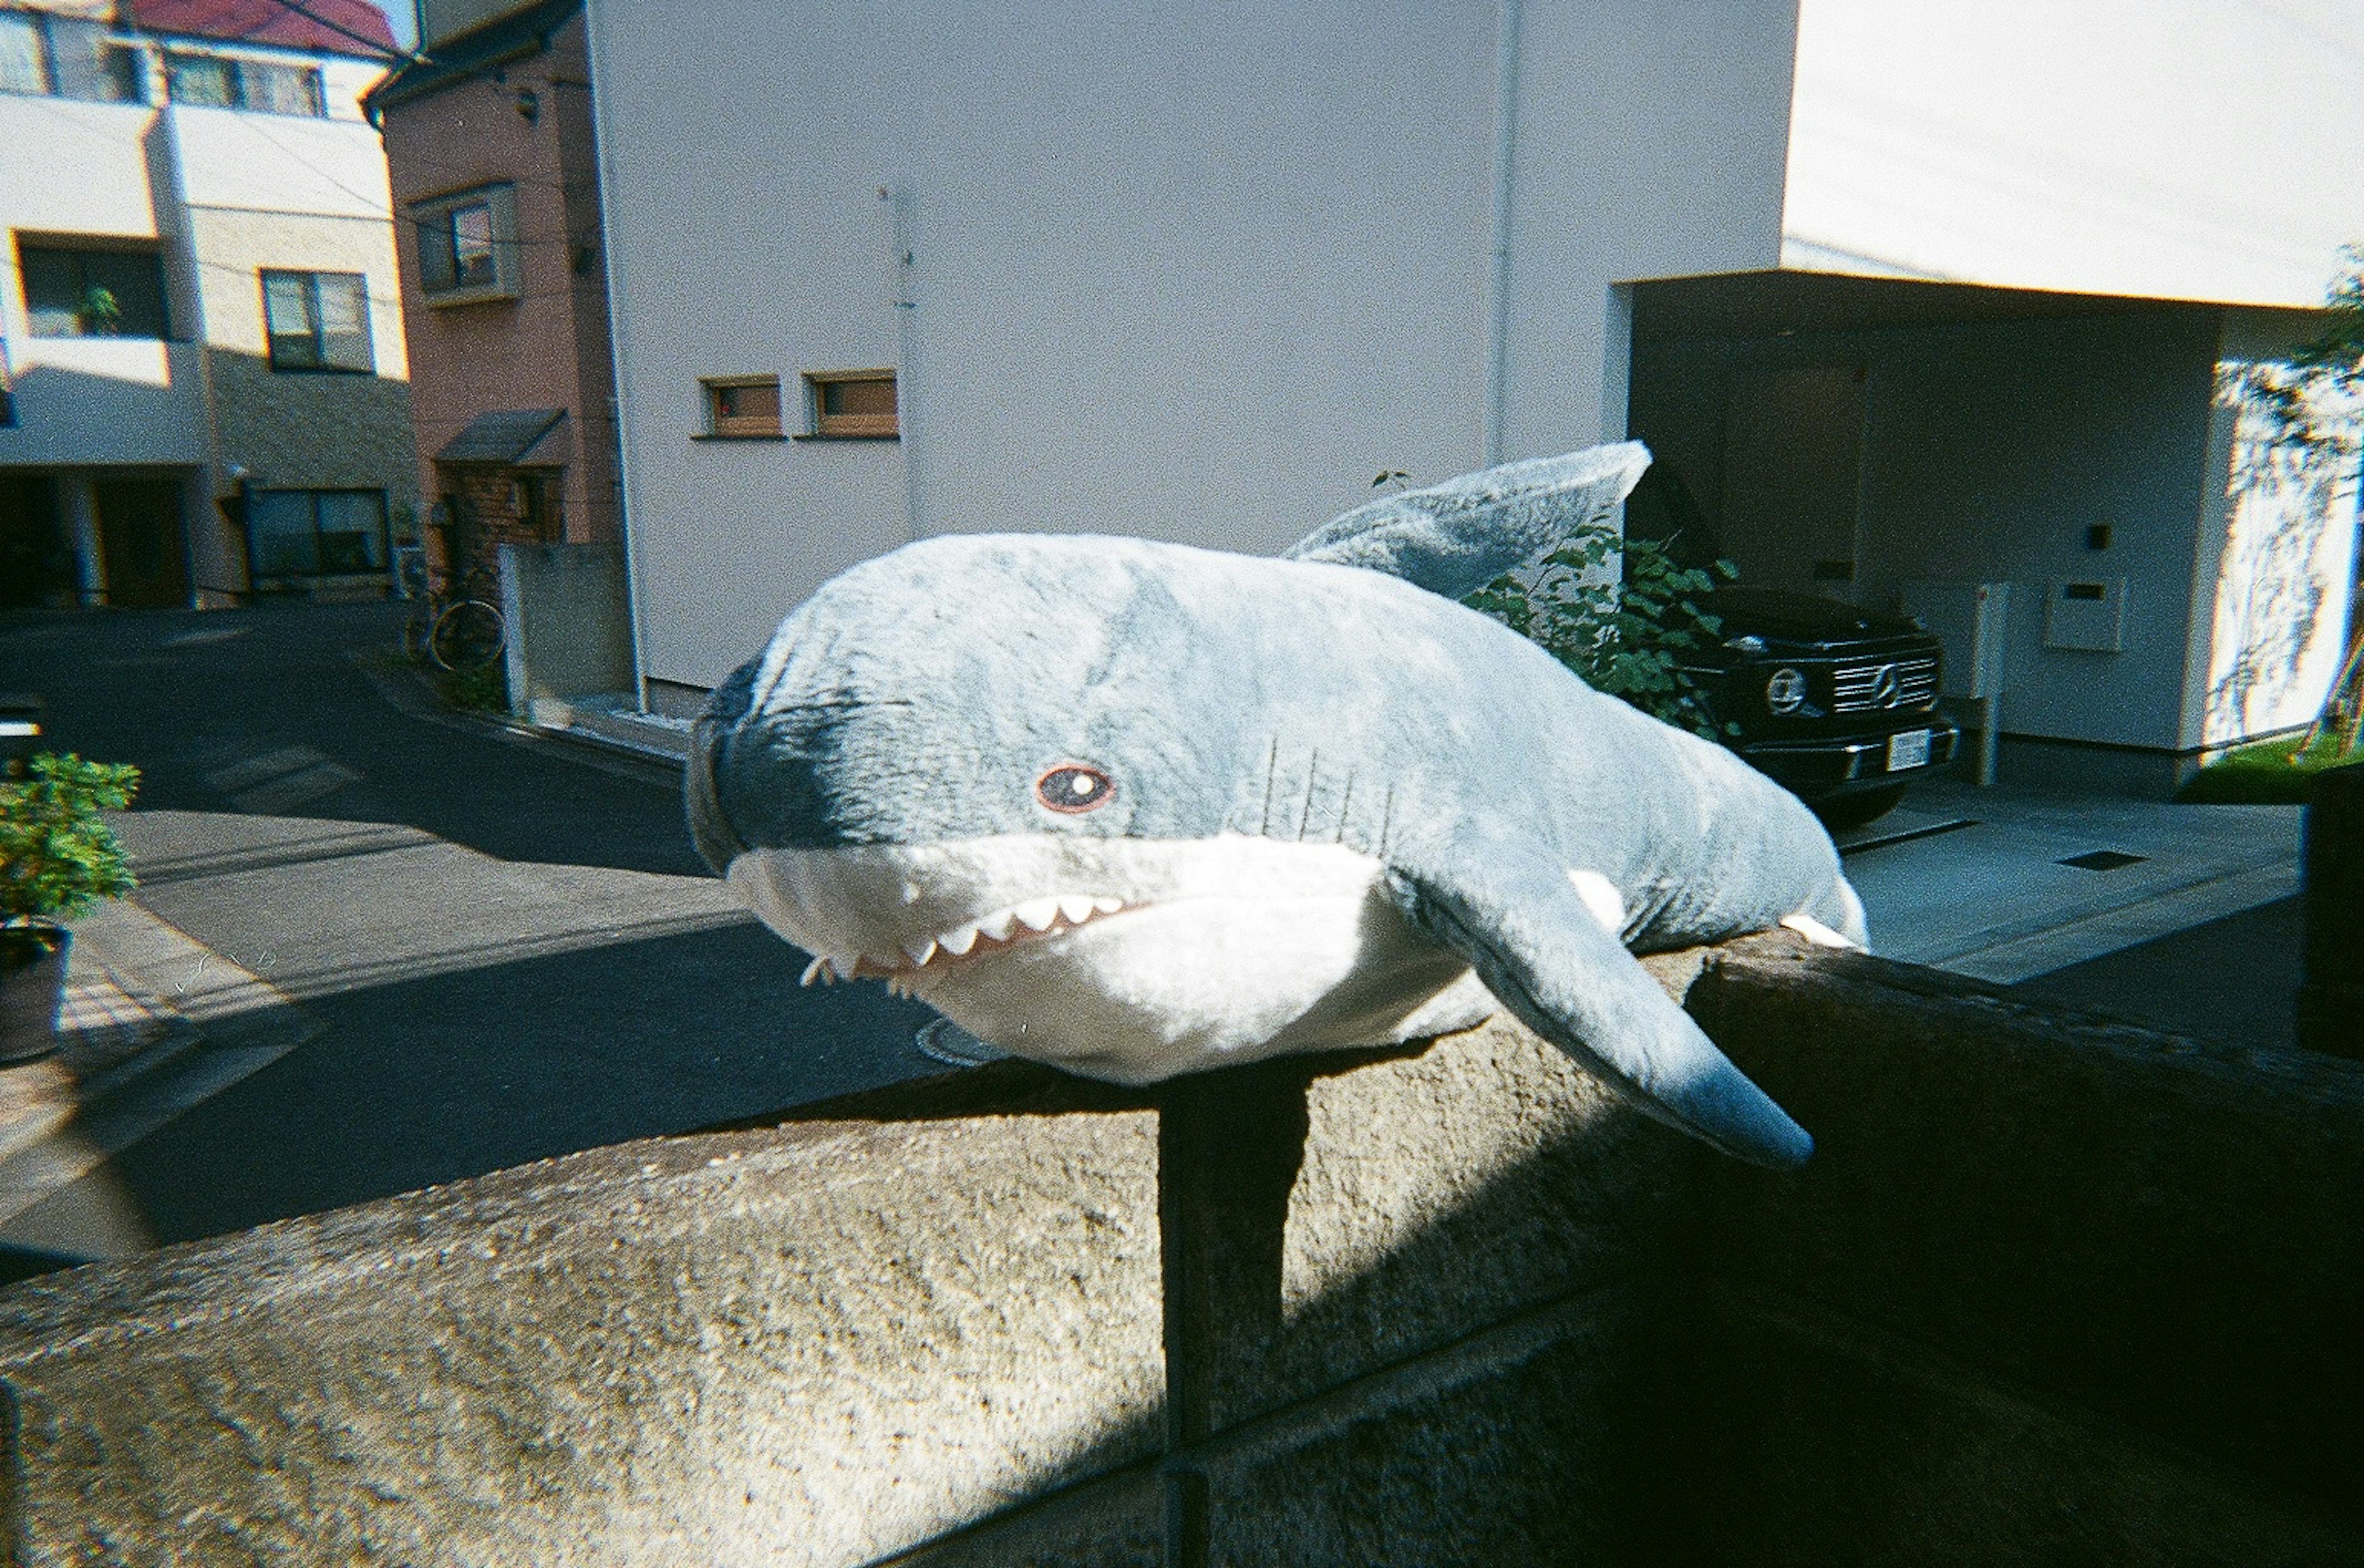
(2102, 860)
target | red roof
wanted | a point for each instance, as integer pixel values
(338, 27)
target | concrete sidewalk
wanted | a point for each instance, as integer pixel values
(152, 1024)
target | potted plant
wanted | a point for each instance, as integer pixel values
(58, 857)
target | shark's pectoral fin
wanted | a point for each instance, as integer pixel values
(1526, 930)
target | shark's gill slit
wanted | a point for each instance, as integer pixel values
(1271, 771)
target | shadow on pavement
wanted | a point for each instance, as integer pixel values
(418, 1083)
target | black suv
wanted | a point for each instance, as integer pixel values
(1838, 705)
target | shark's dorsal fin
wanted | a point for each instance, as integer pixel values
(1456, 538)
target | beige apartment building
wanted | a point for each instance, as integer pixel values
(207, 391)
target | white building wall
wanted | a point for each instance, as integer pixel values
(223, 193)
(1191, 273)
(2276, 568)
(2184, 148)
(1650, 145)
(89, 400)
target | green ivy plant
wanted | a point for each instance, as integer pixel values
(1634, 629)
(58, 856)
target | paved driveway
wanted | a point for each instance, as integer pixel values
(2180, 917)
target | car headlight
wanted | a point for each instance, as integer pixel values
(1785, 692)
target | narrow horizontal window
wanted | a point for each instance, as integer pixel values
(852, 403)
(215, 81)
(743, 406)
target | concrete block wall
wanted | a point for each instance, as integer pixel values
(2051, 1291)
(570, 632)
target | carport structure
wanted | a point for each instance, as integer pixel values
(2158, 586)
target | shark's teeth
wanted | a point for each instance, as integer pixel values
(816, 970)
(1060, 912)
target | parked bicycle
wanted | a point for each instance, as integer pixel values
(461, 627)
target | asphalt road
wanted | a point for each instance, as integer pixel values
(508, 948)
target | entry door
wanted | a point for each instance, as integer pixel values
(1793, 479)
(140, 537)
(34, 560)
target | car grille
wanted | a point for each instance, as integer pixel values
(1896, 683)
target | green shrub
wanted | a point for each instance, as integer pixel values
(1642, 638)
(58, 857)
(2270, 772)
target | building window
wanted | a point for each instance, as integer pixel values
(468, 246)
(317, 321)
(92, 291)
(850, 405)
(216, 80)
(68, 57)
(743, 406)
(316, 533)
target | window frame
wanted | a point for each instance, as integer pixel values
(315, 331)
(720, 427)
(79, 247)
(384, 534)
(240, 95)
(434, 246)
(821, 425)
(121, 66)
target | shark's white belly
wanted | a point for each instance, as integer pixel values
(1125, 959)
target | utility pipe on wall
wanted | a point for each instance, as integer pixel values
(1506, 139)
(902, 294)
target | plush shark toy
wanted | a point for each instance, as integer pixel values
(1137, 809)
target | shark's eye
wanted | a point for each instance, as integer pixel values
(1073, 786)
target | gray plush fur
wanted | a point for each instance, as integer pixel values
(915, 699)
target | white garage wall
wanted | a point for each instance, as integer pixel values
(1192, 272)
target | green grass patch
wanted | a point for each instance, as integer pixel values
(2268, 773)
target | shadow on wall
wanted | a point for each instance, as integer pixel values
(2285, 577)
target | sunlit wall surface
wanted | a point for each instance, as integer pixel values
(2188, 149)
(2282, 579)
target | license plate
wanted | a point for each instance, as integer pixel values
(1910, 749)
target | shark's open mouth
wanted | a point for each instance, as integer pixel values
(971, 940)
(1156, 956)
